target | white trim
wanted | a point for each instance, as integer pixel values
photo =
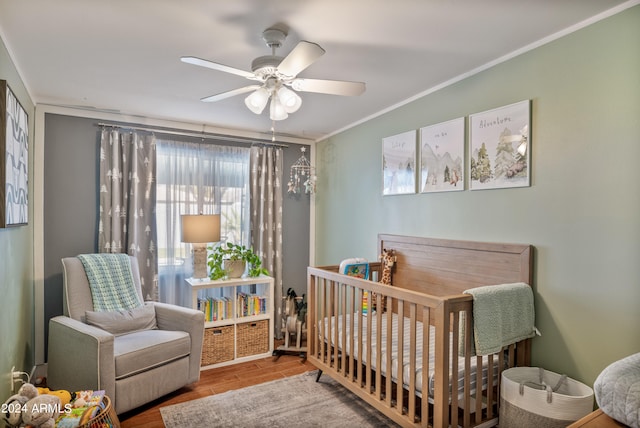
(580, 25)
(38, 236)
(312, 211)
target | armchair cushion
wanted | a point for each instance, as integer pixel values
(143, 350)
(124, 321)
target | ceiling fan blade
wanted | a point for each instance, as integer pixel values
(229, 94)
(333, 87)
(215, 66)
(302, 56)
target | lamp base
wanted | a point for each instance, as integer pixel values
(200, 261)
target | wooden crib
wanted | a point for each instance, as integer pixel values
(429, 278)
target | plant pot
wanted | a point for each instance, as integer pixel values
(235, 268)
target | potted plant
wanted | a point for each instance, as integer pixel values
(225, 258)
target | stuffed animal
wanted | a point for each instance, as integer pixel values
(29, 408)
(65, 396)
(12, 409)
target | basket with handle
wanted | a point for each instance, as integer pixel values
(535, 397)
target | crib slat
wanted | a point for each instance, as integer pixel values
(400, 341)
(360, 338)
(426, 340)
(389, 350)
(369, 346)
(378, 382)
(478, 396)
(454, 371)
(312, 337)
(467, 370)
(336, 330)
(490, 386)
(412, 362)
(343, 342)
(500, 368)
(323, 316)
(352, 298)
(441, 384)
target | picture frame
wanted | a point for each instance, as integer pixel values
(442, 159)
(14, 159)
(500, 147)
(399, 163)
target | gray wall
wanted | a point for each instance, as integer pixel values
(71, 206)
(582, 212)
(70, 199)
(17, 333)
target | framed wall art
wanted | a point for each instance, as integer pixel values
(442, 157)
(399, 164)
(14, 159)
(499, 147)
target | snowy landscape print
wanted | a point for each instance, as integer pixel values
(499, 151)
(442, 157)
(399, 164)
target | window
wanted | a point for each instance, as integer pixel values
(195, 178)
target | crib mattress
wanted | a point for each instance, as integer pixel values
(406, 344)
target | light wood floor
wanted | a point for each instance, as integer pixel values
(216, 381)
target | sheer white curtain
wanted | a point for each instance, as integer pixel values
(194, 178)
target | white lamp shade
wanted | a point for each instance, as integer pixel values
(200, 228)
(257, 101)
(289, 99)
(277, 110)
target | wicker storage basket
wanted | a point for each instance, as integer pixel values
(252, 338)
(218, 345)
(106, 418)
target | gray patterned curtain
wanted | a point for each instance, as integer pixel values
(127, 201)
(266, 218)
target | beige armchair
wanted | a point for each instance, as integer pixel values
(133, 367)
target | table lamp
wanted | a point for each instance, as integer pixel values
(199, 230)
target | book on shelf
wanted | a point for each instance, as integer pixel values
(216, 308)
(251, 304)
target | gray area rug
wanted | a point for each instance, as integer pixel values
(296, 401)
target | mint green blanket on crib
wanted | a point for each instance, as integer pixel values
(502, 315)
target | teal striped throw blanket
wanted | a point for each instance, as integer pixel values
(111, 281)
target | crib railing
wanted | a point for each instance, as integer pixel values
(351, 359)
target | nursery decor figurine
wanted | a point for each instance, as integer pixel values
(388, 259)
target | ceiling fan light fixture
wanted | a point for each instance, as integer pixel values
(257, 101)
(272, 72)
(289, 99)
(277, 110)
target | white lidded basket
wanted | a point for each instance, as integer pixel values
(535, 397)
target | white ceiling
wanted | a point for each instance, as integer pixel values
(124, 55)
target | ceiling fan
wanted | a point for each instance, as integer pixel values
(275, 75)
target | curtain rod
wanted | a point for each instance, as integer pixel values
(204, 135)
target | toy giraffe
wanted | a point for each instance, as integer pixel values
(388, 258)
